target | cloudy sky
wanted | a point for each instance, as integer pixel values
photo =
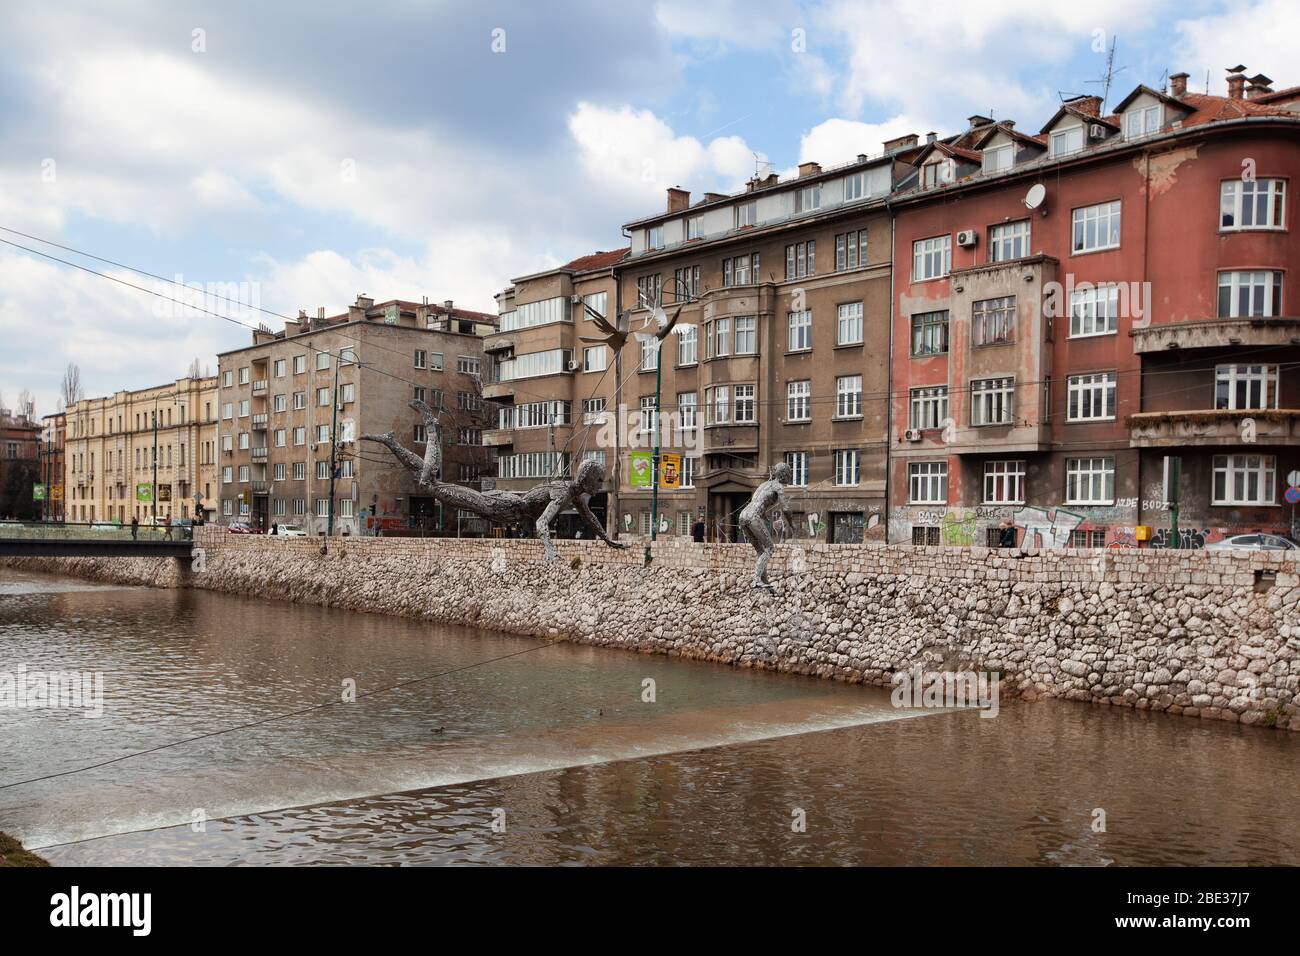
(404, 149)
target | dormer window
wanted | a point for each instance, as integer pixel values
(999, 158)
(694, 227)
(1067, 141)
(655, 237)
(746, 214)
(932, 174)
(808, 198)
(1143, 122)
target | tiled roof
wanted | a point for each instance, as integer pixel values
(597, 260)
(1210, 109)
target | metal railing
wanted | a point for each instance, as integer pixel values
(95, 530)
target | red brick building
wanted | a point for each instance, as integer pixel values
(1072, 305)
(19, 463)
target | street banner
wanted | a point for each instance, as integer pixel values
(144, 491)
(642, 469)
(38, 492)
(670, 471)
(56, 492)
(164, 492)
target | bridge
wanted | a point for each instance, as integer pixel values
(100, 540)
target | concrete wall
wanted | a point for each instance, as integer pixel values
(1207, 634)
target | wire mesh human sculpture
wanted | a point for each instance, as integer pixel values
(539, 505)
(768, 497)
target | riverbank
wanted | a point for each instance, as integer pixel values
(13, 854)
(1204, 634)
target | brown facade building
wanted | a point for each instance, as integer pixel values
(53, 434)
(19, 463)
(147, 454)
(294, 404)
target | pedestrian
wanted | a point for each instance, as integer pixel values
(167, 534)
(697, 531)
(275, 527)
(1007, 539)
(135, 527)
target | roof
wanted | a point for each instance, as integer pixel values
(405, 306)
(597, 260)
(1026, 139)
(1161, 96)
(1288, 93)
(1209, 109)
(1085, 112)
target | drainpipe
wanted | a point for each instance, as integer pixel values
(615, 509)
(889, 376)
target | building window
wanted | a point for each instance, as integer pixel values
(848, 328)
(299, 507)
(227, 381)
(927, 482)
(694, 228)
(322, 361)
(686, 283)
(1091, 397)
(740, 270)
(421, 358)
(930, 333)
(931, 258)
(279, 368)
(850, 250)
(686, 411)
(721, 338)
(281, 402)
(688, 471)
(322, 434)
(299, 473)
(649, 353)
(997, 158)
(648, 417)
(746, 335)
(746, 214)
(848, 466)
(1090, 481)
(1067, 141)
(244, 472)
(798, 463)
(594, 358)
(1087, 538)
(746, 406)
(299, 364)
(800, 330)
(1143, 122)
(848, 396)
(942, 171)
(993, 321)
(688, 344)
(243, 375)
(655, 237)
(597, 302)
(648, 290)
(797, 401)
(1009, 241)
(322, 469)
(991, 401)
(808, 199)
(280, 438)
(925, 535)
(1249, 294)
(467, 401)
(1096, 227)
(717, 405)
(929, 407)
(279, 472)
(1246, 386)
(435, 361)
(323, 397)
(800, 259)
(1252, 204)
(1004, 482)
(1245, 480)
(1094, 310)
(227, 475)
(467, 365)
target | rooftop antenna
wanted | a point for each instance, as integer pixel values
(1110, 74)
(759, 164)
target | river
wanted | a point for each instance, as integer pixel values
(467, 747)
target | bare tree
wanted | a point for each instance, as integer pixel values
(70, 390)
(26, 404)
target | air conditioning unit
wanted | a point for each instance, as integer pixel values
(1096, 131)
(574, 365)
(912, 434)
(966, 238)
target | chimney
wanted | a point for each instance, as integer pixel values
(446, 307)
(862, 157)
(1178, 85)
(771, 179)
(364, 301)
(751, 184)
(714, 197)
(1259, 85)
(1236, 81)
(320, 312)
(1088, 105)
(977, 121)
(809, 169)
(901, 142)
(931, 137)
(678, 199)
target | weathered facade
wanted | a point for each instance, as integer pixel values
(1073, 306)
(144, 454)
(19, 463)
(294, 405)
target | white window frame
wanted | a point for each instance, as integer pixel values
(688, 344)
(996, 159)
(927, 407)
(746, 340)
(747, 214)
(1094, 310)
(1068, 140)
(798, 401)
(848, 467)
(594, 359)
(1143, 121)
(1232, 200)
(1092, 397)
(1103, 217)
(848, 323)
(800, 331)
(988, 397)
(1261, 380)
(931, 258)
(1264, 285)
(797, 461)
(1090, 481)
(1244, 480)
(848, 396)
(927, 482)
(1004, 482)
(745, 399)
(1010, 240)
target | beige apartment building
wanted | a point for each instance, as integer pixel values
(144, 454)
(552, 394)
(294, 404)
(780, 355)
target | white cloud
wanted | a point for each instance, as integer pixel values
(1213, 43)
(841, 141)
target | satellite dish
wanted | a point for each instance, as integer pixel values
(1034, 198)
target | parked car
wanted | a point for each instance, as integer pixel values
(105, 526)
(240, 527)
(292, 531)
(1253, 542)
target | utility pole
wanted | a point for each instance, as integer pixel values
(155, 460)
(334, 439)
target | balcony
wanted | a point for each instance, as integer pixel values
(259, 386)
(498, 390)
(1216, 334)
(259, 422)
(1215, 427)
(498, 436)
(499, 343)
(259, 454)
(260, 487)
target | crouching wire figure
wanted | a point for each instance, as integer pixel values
(767, 497)
(538, 505)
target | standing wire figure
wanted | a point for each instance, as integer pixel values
(767, 498)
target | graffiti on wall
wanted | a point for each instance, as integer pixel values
(1044, 529)
(1189, 539)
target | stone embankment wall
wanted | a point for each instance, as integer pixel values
(1200, 633)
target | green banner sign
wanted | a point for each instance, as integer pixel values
(641, 465)
(38, 492)
(144, 491)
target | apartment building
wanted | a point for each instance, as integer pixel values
(19, 463)
(53, 431)
(1076, 304)
(552, 394)
(294, 404)
(780, 354)
(146, 454)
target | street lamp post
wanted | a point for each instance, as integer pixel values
(334, 440)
